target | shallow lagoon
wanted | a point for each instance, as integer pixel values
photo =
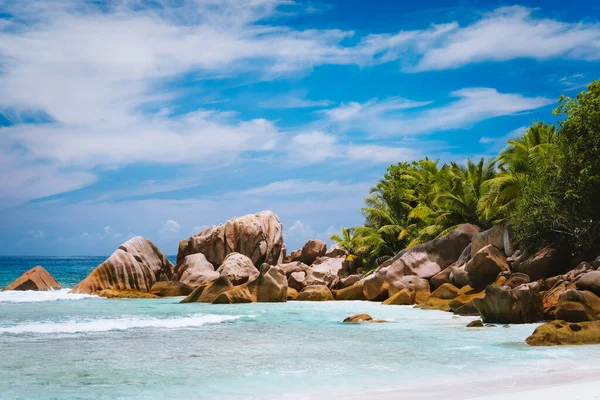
(56, 345)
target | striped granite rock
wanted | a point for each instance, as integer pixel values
(136, 265)
(257, 236)
(37, 278)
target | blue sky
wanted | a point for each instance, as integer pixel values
(159, 118)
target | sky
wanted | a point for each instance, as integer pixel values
(161, 118)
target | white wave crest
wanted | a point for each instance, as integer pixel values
(32, 296)
(117, 324)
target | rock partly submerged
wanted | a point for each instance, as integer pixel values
(362, 318)
(136, 265)
(557, 333)
(37, 278)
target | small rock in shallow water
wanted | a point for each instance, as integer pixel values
(475, 324)
(359, 318)
(37, 278)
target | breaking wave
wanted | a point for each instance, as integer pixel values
(117, 324)
(32, 296)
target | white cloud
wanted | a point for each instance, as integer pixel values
(573, 82)
(318, 147)
(313, 147)
(295, 99)
(506, 33)
(381, 154)
(95, 75)
(299, 232)
(170, 227)
(294, 187)
(486, 140)
(470, 105)
(372, 108)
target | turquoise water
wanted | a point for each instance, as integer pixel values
(59, 346)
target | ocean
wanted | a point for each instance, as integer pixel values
(55, 345)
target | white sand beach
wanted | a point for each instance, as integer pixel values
(577, 384)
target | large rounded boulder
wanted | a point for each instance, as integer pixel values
(375, 286)
(37, 278)
(425, 261)
(408, 290)
(195, 270)
(485, 266)
(315, 293)
(257, 236)
(238, 268)
(136, 265)
(312, 250)
(498, 236)
(505, 305)
(589, 281)
(354, 292)
(326, 271)
(578, 306)
(428, 259)
(543, 263)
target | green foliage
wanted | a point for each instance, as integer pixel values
(546, 182)
(562, 193)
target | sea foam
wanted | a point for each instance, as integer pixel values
(32, 296)
(117, 324)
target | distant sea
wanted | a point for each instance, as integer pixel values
(55, 345)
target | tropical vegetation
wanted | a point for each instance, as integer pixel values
(545, 184)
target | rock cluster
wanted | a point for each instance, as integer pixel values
(257, 236)
(467, 272)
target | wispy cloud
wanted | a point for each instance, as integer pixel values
(295, 99)
(506, 33)
(293, 187)
(317, 147)
(470, 105)
(84, 84)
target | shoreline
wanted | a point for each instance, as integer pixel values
(583, 384)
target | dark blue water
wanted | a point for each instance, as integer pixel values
(68, 271)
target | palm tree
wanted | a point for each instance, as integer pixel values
(353, 244)
(455, 200)
(516, 163)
